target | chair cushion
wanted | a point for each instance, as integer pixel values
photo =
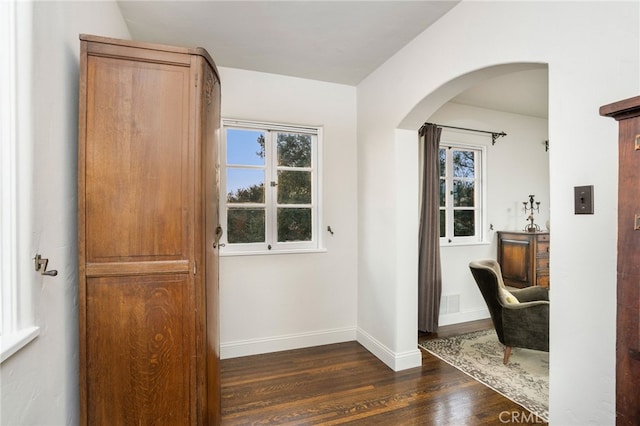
(506, 297)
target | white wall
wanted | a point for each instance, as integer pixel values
(591, 49)
(282, 301)
(40, 382)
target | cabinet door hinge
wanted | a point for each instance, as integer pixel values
(195, 268)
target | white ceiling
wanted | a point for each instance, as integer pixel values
(334, 41)
(337, 41)
(522, 92)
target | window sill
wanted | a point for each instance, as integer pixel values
(474, 243)
(12, 343)
(271, 252)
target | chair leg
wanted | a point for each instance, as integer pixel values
(507, 354)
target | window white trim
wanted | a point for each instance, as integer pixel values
(14, 333)
(480, 195)
(13, 342)
(7, 168)
(262, 125)
(271, 245)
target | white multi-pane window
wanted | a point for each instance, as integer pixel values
(269, 176)
(461, 193)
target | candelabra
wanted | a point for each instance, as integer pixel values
(529, 207)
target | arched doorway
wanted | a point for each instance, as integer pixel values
(514, 168)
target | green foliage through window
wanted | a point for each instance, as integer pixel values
(294, 150)
(245, 225)
(294, 224)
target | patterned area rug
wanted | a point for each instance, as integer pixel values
(524, 380)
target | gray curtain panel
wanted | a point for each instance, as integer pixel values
(429, 273)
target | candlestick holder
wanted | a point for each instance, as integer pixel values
(530, 207)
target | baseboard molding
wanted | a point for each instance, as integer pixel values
(396, 361)
(460, 317)
(240, 348)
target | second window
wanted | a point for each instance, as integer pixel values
(461, 197)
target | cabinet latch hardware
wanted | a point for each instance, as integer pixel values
(636, 222)
(40, 264)
(637, 142)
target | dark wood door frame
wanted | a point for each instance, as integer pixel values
(627, 113)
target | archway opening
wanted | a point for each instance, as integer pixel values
(511, 98)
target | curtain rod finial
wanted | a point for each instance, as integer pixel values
(495, 136)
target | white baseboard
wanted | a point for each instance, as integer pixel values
(395, 361)
(240, 348)
(460, 317)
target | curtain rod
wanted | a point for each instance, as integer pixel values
(494, 135)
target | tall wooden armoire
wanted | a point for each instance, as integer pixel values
(627, 113)
(149, 123)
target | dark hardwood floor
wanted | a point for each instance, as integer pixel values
(345, 384)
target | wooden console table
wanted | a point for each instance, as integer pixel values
(524, 258)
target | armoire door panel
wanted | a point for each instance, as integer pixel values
(629, 198)
(136, 160)
(138, 349)
(628, 349)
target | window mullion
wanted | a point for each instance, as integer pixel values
(449, 204)
(272, 190)
(477, 195)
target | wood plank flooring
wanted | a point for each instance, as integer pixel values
(345, 384)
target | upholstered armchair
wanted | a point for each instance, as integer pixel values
(520, 316)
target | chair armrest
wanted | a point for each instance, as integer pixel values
(529, 294)
(532, 305)
(527, 325)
